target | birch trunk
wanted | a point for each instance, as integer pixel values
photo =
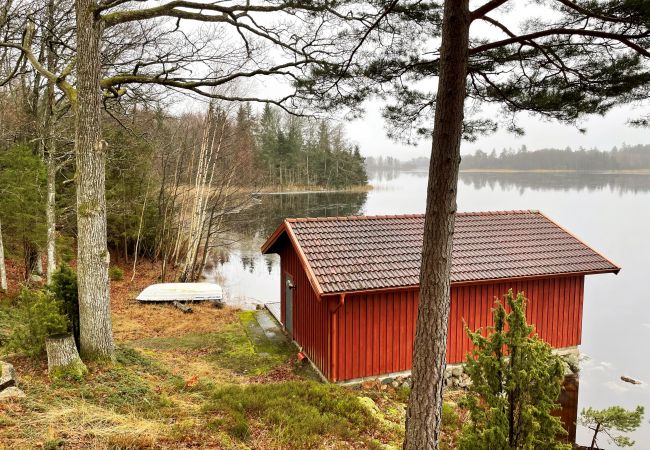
(51, 212)
(424, 409)
(137, 241)
(93, 258)
(204, 180)
(49, 145)
(3, 268)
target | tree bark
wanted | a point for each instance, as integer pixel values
(3, 267)
(62, 357)
(429, 352)
(51, 212)
(50, 147)
(93, 257)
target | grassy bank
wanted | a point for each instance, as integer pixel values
(204, 380)
(299, 189)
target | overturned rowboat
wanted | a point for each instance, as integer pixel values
(182, 292)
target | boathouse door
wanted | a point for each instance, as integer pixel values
(288, 310)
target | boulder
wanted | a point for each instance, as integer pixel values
(7, 375)
(369, 384)
(457, 371)
(11, 392)
(35, 278)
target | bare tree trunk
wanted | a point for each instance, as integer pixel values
(38, 262)
(137, 241)
(50, 147)
(93, 257)
(429, 352)
(3, 268)
(51, 212)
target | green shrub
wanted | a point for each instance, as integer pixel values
(516, 380)
(37, 316)
(299, 414)
(450, 418)
(65, 290)
(115, 273)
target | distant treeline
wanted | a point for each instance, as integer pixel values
(627, 157)
(389, 163)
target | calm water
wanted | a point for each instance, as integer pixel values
(610, 212)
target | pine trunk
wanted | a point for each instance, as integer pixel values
(429, 352)
(93, 258)
(3, 268)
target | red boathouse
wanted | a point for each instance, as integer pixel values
(349, 287)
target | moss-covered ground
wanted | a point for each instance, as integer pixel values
(207, 380)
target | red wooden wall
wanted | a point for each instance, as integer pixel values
(374, 333)
(310, 316)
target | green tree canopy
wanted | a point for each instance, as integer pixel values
(610, 420)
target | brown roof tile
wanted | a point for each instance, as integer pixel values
(360, 253)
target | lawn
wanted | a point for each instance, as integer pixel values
(204, 380)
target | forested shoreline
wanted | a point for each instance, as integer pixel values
(623, 158)
(171, 180)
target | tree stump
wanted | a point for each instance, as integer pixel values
(63, 361)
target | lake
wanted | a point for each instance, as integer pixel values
(611, 212)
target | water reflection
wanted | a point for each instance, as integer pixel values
(609, 211)
(262, 219)
(614, 182)
(250, 278)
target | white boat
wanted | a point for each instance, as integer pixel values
(182, 292)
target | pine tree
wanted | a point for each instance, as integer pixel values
(611, 419)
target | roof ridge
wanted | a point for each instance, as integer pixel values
(488, 245)
(407, 216)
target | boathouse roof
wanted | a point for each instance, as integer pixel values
(343, 254)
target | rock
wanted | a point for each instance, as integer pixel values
(34, 278)
(7, 375)
(11, 392)
(370, 384)
(630, 380)
(387, 380)
(572, 361)
(395, 384)
(457, 371)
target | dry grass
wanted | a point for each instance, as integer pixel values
(199, 381)
(133, 320)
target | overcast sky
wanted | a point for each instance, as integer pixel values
(601, 132)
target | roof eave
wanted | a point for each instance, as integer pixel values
(285, 227)
(273, 238)
(614, 270)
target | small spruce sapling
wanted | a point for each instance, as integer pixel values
(516, 381)
(610, 420)
(65, 290)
